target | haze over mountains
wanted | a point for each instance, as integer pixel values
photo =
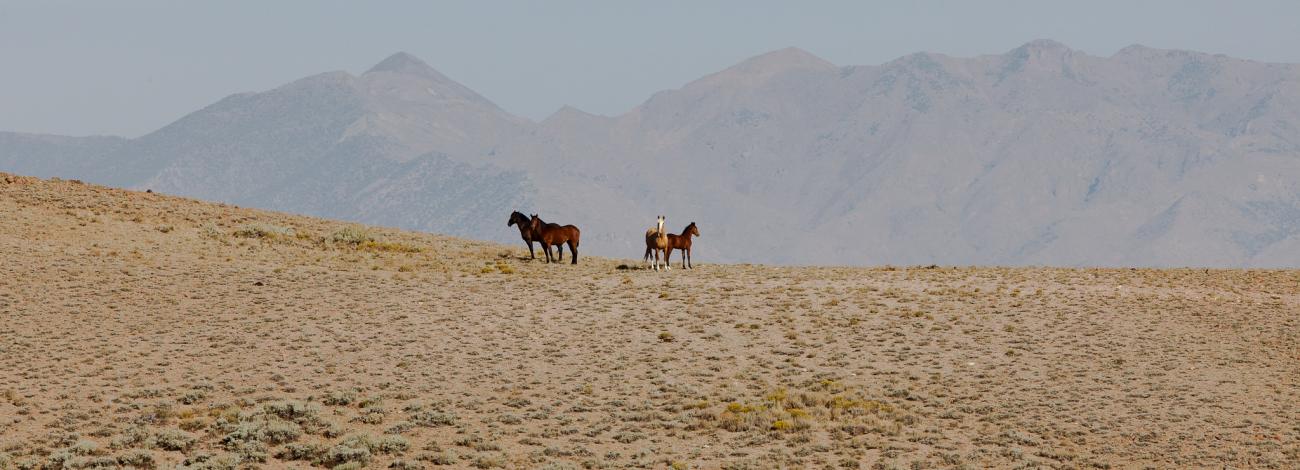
(1041, 155)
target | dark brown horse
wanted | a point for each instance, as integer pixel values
(557, 236)
(525, 230)
(682, 242)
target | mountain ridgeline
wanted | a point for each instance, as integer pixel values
(1043, 155)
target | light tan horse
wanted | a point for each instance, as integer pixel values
(656, 241)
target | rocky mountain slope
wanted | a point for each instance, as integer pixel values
(1041, 155)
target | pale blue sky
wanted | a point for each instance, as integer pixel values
(129, 67)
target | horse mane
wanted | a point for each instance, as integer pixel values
(657, 230)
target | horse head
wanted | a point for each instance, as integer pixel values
(517, 217)
(692, 230)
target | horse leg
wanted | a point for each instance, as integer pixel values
(668, 255)
(573, 247)
(690, 264)
(547, 249)
(559, 247)
(531, 255)
(667, 267)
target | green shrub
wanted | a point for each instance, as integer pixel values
(489, 461)
(192, 397)
(133, 437)
(84, 447)
(360, 441)
(251, 452)
(256, 230)
(296, 411)
(208, 462)
(135, 458)
(342, 453)
(212, 231)
(354, 235)
(441, 458)
(339, 398)
(90, 462)
(433, 418)
(268, 431)
(391, 445)
(279, 432)
(309, 452)
(401, 427)
(370, 416)
(173, 440)
(404, 465)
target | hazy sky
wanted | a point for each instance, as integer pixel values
(129, 67)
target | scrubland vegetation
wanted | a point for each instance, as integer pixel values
(147, 331)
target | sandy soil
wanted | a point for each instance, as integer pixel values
(144, 330)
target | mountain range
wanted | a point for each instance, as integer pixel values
(1043, 155)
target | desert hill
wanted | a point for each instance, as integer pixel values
(147, 330)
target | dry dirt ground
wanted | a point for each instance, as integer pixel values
(152, 331)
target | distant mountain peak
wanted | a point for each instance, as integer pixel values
(406, 64)
(1040, 49)
(781, 59)
(429, 82)
(759, 68)
(1134, 49)
(567, 110)
(1046, 44)
(570, 115)
(1039, 54)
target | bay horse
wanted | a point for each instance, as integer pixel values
(556, 235)
(525, 230)
(682, 242)
(656, 241)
